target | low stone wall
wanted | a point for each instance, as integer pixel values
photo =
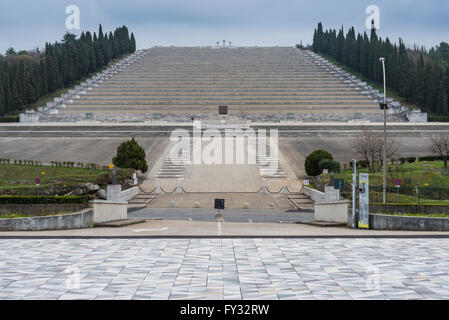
(330, 194)
(83, 219)
(130, 193)
(106, 211)
(408, 208)
(41, 209)
(404, 223)
(332, 211)
(183, 116)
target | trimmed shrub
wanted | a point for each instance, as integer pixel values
(330, 165)
(312, 163)
(131, 156)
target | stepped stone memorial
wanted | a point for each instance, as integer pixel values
(259, 84)
(153, 92)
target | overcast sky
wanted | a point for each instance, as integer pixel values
(29, 24)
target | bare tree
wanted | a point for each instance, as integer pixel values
(440, 146)
(369, 145)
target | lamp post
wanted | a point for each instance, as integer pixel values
(382, 60)
(354, 194)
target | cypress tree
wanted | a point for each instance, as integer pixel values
(2, 89)
(43, 77)
(340, 46)
(25, 77)
(133, 43)
(442, 107)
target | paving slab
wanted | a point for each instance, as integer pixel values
(186, 268)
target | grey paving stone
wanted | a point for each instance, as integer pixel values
(226, 269)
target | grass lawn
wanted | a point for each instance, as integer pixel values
(411, 175)
(18, 215)
(13, 216)
(21, 176)
(429, 176)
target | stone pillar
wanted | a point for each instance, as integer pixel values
(114, 192)
(112, 209)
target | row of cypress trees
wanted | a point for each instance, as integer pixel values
(418, 75)
(27, 76)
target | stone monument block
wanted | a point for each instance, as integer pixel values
(114, 192)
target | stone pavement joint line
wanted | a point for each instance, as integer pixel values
(224, 269)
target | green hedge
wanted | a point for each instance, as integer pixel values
(437, 118)
(9, 119)
(430, 158)
(42, 199)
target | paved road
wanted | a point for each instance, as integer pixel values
(224, 269)
(231, 215)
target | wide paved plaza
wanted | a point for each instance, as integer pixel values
(205, 268)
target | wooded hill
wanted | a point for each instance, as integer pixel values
(27, 76)
(418, 75)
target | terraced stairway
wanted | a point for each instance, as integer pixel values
(302, 202)
(249, 80)
(141, 200)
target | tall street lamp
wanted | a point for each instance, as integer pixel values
(384, 106)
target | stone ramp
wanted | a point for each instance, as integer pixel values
(142, 200)
(267, 171)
